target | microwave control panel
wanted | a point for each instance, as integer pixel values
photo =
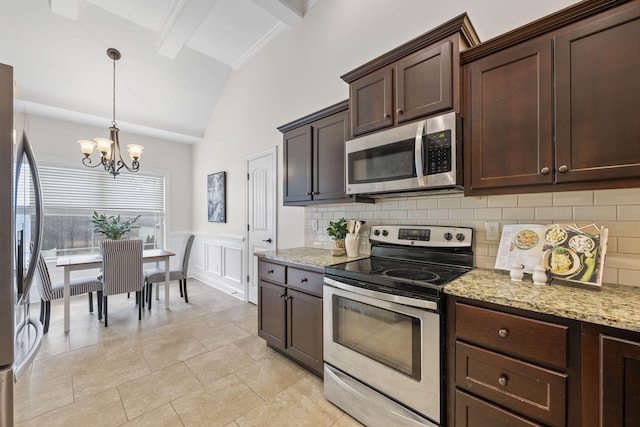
(437, 152)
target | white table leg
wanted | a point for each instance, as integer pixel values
(66, 294)
(166, 282)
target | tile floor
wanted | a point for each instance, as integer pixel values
(197, 364)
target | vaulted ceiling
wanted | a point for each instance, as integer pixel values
(173, 52)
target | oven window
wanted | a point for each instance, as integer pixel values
(385, 336)
(386, 163)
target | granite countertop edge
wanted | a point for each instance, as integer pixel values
(314, 258)
(609, 305)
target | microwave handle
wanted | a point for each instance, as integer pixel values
(422, 179)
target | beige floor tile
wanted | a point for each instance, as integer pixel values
(313, 388)
(223, 335)
(224, 400)
(168, 351)
(35, 397)
(346, 421)
(103, 409)
(287, 408)
(218, 363)
(254, 346)
(156, 389)
(271, 375)
(164, 416)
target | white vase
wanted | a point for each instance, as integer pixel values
(352, 245)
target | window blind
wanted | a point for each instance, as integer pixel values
(88, 189)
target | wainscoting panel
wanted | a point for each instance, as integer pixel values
(218, 260)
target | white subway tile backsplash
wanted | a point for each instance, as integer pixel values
(594, 213)
(619, 210)
(503, 201)
(554, 214)
(535, 200)
(623, 196)
(573, 198)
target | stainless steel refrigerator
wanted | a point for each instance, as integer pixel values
(20, 231)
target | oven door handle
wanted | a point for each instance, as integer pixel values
(422, 177)
(398, 299)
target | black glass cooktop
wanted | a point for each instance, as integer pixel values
(414, 279)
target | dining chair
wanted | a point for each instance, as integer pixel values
(157, 275)
(52, 291)
(121, 271)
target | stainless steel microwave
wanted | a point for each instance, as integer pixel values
(417, 157)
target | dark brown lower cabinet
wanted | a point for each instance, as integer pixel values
(290, 312)
(474, 412)
(611, 377)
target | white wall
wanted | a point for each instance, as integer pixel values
(56, 140)
(299, 72)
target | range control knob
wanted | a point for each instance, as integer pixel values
(448, 236)
(385, 233)
(376, 232)
(460, 237)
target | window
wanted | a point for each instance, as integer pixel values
(71, 195)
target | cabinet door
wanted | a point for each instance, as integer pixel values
(329, 135)
(474, 412)
(304, 330)
(297, 165)
(597, 87)
(424, 83)
(511, 117)
(620, 389)
(372, 102)
(271, 313)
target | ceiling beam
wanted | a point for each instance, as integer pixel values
(182, 20)
(290, 12)
(66, 8)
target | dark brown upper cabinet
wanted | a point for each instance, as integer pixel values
(552, 106)
(418, 79)
(314, 156)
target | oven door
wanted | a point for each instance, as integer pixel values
(389, 346)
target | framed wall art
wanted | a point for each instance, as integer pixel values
(216, 197)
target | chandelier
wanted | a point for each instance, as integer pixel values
(109, 149)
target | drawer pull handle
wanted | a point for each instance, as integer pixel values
(270, 272)
(303, 280)
(283, 296)
(503, 380)
(503, 332)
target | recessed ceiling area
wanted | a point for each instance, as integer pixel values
(173, 52)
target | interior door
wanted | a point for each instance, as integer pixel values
(261, 213)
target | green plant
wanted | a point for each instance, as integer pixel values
(337, 230)
(112, 227)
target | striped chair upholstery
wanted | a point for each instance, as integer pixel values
(157, 275)
(52, 291)
(121, 270)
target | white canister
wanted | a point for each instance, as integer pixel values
(352, 245)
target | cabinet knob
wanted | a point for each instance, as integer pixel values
(308, 193)
(387, 116)
(399, 111)
(269, 271)
(313, 193)
(503, 332)
(503, 380)
(283, 296)
(563, 168)
(303, 280)
(545, 171)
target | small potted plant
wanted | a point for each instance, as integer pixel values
(337, 230)
(112, 227)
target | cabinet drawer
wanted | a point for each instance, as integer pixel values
(270, 271)
(525, 388)
(520, 336)
(471, 411)
(305, 280)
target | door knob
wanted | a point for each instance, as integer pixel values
(267, 240)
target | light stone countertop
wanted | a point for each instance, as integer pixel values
(610, 305)
(313, 258)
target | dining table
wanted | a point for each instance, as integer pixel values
(86, 262)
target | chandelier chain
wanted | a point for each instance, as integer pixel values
(113, 122)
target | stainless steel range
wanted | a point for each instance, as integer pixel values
(384, 328)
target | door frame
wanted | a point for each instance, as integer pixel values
(273, 153)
